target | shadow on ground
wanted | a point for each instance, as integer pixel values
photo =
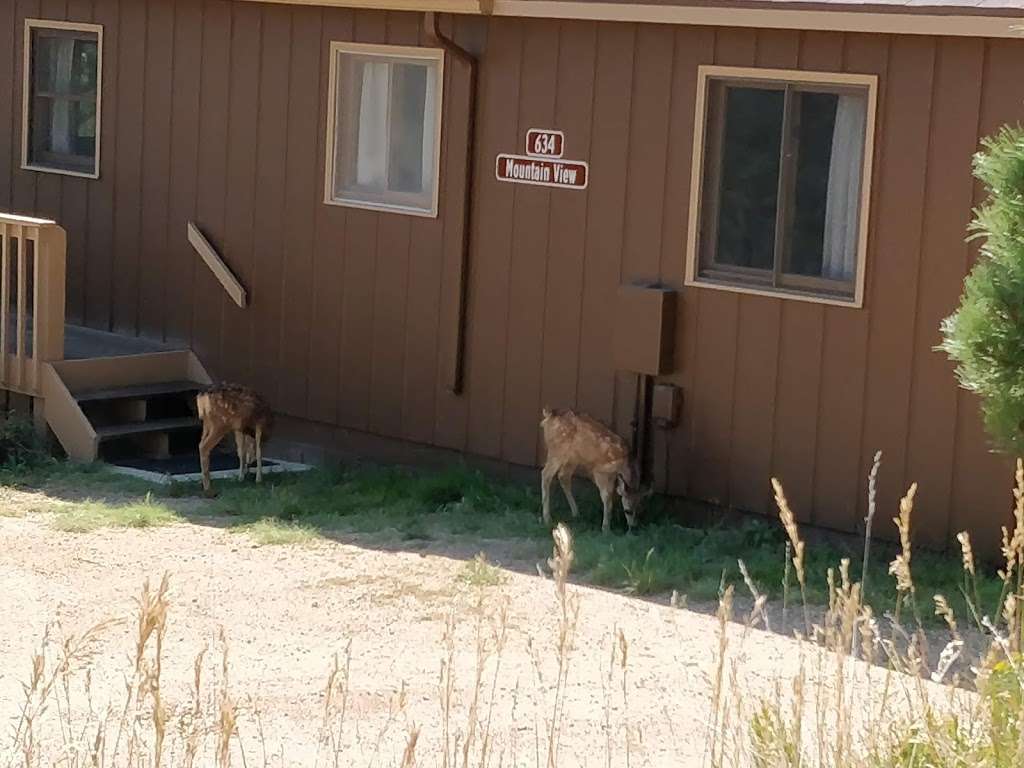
(690, 549)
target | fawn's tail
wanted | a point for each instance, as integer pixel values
(202, 405)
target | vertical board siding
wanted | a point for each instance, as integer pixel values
(898, 220)
(646, 149)
(567, 237)
(181, 268)
(74, 207)
(931, 436)
(839, 477)
(613, 95)
(718, 332)
(212, 182)
(215, 111)
(329, 255)
(48, 186)
(362, 248)
(10, 68)
(392, 286)
(265, 285)
(693, 47)
(414, 403)
(100, 240)
(129, 121)
(761, 355)
(303, 183)
(490, 273)
(531, 224)
(23, 183)
(240, 195)
(156, 165)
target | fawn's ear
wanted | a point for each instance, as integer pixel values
(620, 486)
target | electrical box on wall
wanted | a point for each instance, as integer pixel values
(645, 322)
(665, 402)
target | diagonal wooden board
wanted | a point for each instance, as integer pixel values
(217, 265)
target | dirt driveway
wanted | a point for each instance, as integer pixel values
(287, 610)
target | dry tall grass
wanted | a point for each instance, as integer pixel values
(859, 696)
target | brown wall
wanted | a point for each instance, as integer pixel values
(214, 111)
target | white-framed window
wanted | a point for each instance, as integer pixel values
(61, 110)
(384, 127)
(781, 183)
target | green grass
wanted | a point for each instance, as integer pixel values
(93, 515)
(478, 572)
(271, 532)
(65, 478)
(459, 504)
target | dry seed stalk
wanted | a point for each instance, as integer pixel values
(789, 523)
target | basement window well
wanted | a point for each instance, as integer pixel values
(62, 95)
(384, 127)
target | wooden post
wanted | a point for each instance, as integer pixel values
(50, 279)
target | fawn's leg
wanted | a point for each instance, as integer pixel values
(606, 485)
(241, 444)
(211, 436)
(259, 455)
(546, 476)
(565, 478)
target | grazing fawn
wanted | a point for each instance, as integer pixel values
(231, 408)
(577, 442)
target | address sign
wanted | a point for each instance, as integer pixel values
(542, 165)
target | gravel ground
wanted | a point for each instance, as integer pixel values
(287, 610)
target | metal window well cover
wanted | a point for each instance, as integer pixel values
(185, 468)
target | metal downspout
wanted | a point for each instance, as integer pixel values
(432, 30)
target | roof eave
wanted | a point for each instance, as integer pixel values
(945, 20)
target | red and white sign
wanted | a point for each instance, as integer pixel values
(544, 143)
(523, 169)
(542, 164)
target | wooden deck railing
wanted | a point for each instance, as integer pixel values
(33, 266)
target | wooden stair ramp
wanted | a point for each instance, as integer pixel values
(125, 407)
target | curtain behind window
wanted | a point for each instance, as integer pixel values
(372, 133)
(839, 260)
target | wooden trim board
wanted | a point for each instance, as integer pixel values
(217, 266)
(963, 25)
(820, 19)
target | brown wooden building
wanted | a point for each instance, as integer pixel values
(797, 173)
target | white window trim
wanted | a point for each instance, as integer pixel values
(390, 51)
(705, 73)
(26, 92)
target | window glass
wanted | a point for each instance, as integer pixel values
(750, 177)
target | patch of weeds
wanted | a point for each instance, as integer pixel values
(176, 489)
(93, 515)
(416, 529)
(642, 578)
(270, 532)
(478, 572)
(20, 446)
